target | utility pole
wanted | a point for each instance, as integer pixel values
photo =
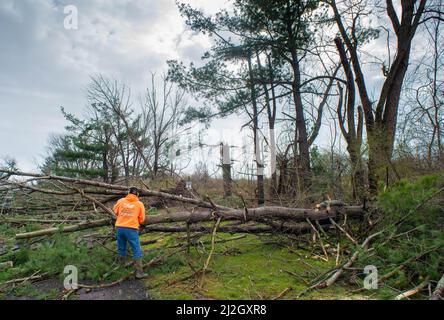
(226, 168)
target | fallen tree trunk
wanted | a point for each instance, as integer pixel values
(255, 214)
(271, 218)
(171, 229)
(300, 228)
(203, 229)
(123, 189)
(261, 215)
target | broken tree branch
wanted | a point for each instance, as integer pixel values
(413, 291)
(64, 229)
(330, 281)
(213, 239)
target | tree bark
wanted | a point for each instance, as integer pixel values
(260, 215)
(106, 186)
(353, 132)
(381, 121)
(255, 120)
(226, 169)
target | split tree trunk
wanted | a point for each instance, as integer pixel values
(226, 169)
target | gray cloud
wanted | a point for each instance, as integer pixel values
(43, 66)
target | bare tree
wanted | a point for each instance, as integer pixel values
(425, 98)
(111, 101)
(162, 113)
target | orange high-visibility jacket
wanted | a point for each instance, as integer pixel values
(130, 212)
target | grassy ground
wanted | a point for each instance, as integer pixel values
(247, 268)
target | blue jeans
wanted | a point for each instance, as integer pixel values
(125, 235)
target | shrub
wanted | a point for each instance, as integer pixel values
(413, 214)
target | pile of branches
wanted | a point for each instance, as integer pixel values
(92, 200)
(71, 204)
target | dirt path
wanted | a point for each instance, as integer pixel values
(128, 290)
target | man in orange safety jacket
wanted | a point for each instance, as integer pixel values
(130, 214)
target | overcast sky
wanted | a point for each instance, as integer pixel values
(45, 66)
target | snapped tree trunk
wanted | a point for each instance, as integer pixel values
(276, 217)
(226, 169)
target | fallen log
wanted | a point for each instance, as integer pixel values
(203, 229)
(123, 189)
(261, 215)
(161, 228)
(255, 214)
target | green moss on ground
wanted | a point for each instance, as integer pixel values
(244, 269)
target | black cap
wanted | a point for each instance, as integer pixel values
(134, 190)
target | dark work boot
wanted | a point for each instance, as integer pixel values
(121, 261)
(139, 269)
